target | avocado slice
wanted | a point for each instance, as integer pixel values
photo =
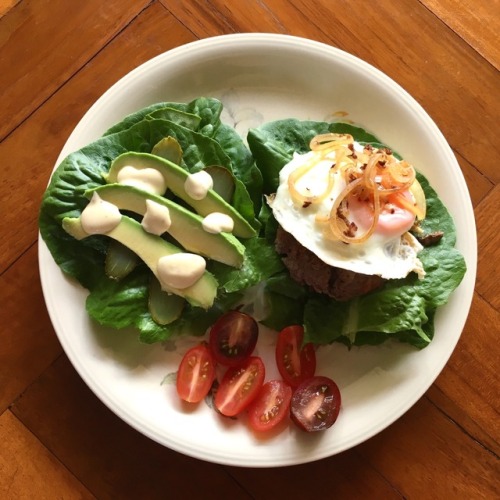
(186, 226)
(175, 177)
(150, 248)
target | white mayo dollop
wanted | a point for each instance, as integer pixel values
(216, 222)
(100, 216)
(180, 270)
(156, 220)
(147, 179)
(198, 184)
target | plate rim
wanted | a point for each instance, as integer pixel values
(213, 43)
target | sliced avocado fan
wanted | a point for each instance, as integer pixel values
(186, 226)
(150, 248)
(175, 178)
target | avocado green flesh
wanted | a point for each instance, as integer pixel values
(186, 227)
(150, 248)
(175, 177)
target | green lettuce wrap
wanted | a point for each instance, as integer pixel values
(402, 309)
(204, 141)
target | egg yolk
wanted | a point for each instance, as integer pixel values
(393, 220)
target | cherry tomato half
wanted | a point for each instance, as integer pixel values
(296, 362)
(316, 404)
(240, 386)
(233, 338)
(271, 406)
(196, 374)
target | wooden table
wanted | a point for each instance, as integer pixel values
(56, 58)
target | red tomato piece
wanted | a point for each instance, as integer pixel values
(240, 386)
(316, 404)
(271, 406)
(296, 362)
(233, 338)
(196, 374)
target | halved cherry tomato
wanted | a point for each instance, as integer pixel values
(196, 374)
(240, 386)
(316, 404)
(233, 338)
(296, 362)
(271, 406)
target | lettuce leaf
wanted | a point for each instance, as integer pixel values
(206, 112)
(124, 303)
(403, 309)
(204, 142)
(261, 262)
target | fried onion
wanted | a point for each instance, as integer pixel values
(380, 177)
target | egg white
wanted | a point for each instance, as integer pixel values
(388, 257)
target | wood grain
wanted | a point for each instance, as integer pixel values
(28, 470)
(471, 377)
(489, 243)
(347, 475)
(469, 19)
(34, 67)
(28, 342)
(58, 440)
(432, 467)
(478, 184)
(6, 5)
(217, 17)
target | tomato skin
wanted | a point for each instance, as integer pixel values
(271, 406)
(316, 404)
(239, 387)
(296, 362)
(233, 338)
(196, 374)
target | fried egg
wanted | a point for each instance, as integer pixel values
(390, 251)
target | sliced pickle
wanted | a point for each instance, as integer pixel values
(223, 181)
(169, 149)
(120, 260)
(164, 307)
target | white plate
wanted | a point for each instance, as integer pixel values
(261, 77)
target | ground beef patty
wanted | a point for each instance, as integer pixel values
(307, 269)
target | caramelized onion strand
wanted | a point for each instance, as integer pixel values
(382, 176)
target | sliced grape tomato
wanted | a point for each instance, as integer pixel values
(196, 374)
(296, 362)
(233, 338)
(271, 406)
(316, 404)
(240, 386)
